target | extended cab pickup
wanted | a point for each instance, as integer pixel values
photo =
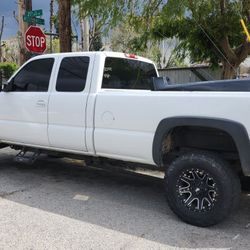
(114, 105)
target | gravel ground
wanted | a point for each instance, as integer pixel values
(60, 204)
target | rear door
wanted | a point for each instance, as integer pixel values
(67, 104)
(122, 122)
(23, 112)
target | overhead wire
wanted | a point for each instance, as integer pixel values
(213, 42)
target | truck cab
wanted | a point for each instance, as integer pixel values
(50, 102)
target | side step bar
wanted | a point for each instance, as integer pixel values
(27, 157)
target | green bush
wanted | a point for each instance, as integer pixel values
(7, 69)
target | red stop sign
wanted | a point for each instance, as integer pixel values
(35, 40)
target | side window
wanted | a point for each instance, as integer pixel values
(122, 73)
(35, 76)
(72, 74)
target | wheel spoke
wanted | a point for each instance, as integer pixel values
(210, 182)
(205, 200)
(189, 176)
(197, 190)
(187, 181)
(199, 175)
(212, 195)
(184, 190)
(189, 200)
(194, 201)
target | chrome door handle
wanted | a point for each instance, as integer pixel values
(40, 103)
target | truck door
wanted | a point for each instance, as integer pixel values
(23, 112)
(123, 127)
(67, 105)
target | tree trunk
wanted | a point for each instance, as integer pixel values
(84, 28)
(86, 34)
(1, 33)
(65, 25)
(82, 33)
(229, 71)
(23, 6)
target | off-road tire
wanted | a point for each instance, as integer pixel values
(220, 186)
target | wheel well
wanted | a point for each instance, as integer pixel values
(186, 138)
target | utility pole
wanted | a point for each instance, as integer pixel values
(51, 24)
(23, 6)
(65, 25)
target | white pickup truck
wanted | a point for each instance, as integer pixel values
(114, 105)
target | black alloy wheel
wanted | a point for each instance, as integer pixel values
(201, 188)
(197, 190)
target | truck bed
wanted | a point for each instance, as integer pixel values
(238, 85)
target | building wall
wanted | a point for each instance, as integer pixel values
(192, 74)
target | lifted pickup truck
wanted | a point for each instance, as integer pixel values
(114, 105)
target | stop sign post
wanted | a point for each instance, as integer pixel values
(35, 40)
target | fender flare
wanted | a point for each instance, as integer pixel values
(236, 130)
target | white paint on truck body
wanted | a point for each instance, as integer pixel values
(114, 123)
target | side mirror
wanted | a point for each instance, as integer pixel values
(9, 86)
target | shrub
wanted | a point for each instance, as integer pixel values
(7, 69)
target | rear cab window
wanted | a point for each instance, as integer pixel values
(124, 73)
(72, 74)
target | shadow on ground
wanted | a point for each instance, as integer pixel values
(126, 202)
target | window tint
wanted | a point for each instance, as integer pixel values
(35, 76)
(122, 73)
(72, 74)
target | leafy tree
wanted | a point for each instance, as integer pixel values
(123, 37)
(110, 10)
(102, 15)
(208, 30)
(7, 69)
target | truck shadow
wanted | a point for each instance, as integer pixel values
(130, 203)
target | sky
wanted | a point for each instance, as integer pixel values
(11, 27)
